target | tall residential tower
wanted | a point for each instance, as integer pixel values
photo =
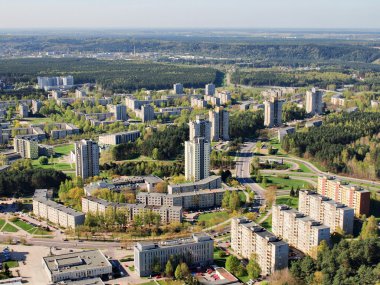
(86, 158)
(314, 104)
(220, 121)
(197, 159)
(273, 112)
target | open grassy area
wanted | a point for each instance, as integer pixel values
(214, 218)
(59, 166)
(303, 168)
(37, 120)
(11, 263)
(9, 228)
(287, 200)
(2, 223)
(285, 184)
(218, 260)
(170, 282)
(25, 226)
(63, 149)
(244, 279)
(267, 223)
(242, 196)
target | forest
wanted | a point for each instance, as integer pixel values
(346, 142)
(116, 75)
(246, 124)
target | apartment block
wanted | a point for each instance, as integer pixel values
(119, 111)
(36, 106)
(178, 88)
(248, 238)
(50, 83)
(77, 266)
(197, 159)
(220, 123)
(53, 212)
(351, 195)
(26, 146)
(197, 250)
(23, 111)
(80, 93)
(300, 231)
(200, 128)
(212, 182)
(273, 112)
(281, 133)
(62, 130)
(314, 104)
(210, 89)
(119, 138)
(224, 97)
(335, 215)
(86, 158)
(198, 103)
(213, 100)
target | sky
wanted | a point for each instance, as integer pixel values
(315, 14)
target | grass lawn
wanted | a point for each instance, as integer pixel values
(212, 219)
(59, 166)
(303, 167)
(170, 282)
(2, 223)
(285, 184)
(25, 226)
(242, 196)
(37, 120)
(287, 200)
(11, 263)
(244, 279)
(220, 261)
(149, 283)
(39, 231)
(63, 149)
(9, 228)
(267, 223)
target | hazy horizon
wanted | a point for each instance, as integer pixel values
(197, 14)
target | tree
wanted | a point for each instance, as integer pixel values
(292, 193)
(156, 266)
(185, 270)
(169, 269)
(234, 201)
(369, 229)
(253, 268)
(7, 272)
(226, 200)
(43, 160)
(161, 187)
(232, 264)
(178, 272)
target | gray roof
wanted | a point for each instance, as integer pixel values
(92, 281)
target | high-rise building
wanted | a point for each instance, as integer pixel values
(23, 110)
(335, 215)
(36, 106)
(147, 113)
(220, 122)
(210, 89)
(248, 238)
(273, 112)
(197, 159)
(86, 158)
(119, 138)
(300, 231)
(119, 111)
(26, 146)
(178, 88)
(200, 128)
(314, 104)
(351, 195)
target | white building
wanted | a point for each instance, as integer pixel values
(273, 112)
(196, 250)
(314, 104)
(178, 88)
(197, 159)
(119, 138)
(26, 146)
(248, 238)
(210, 89)
(119, 111)
(23, 111)
(200, 128)
(86, 158)
(220, 123)
(76, 266)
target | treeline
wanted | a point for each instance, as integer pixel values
(116, 75)
(163, 144)
(160, 169)
(246, 124)
(344, 143)
(21, 183)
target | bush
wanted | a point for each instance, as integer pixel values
(43, 160)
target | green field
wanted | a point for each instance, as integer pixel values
(9, 228)
(267, 223)
(40, 232)
(303, 167)
(37, 120)
(25, 226)
(170, 282)
(220, 261)
(149, 283)
(285, 184)
(63, 149)
(59, 166)
(11, 263)
(212, 219)
(287, 200)
(2, 223)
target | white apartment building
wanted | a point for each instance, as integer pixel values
(62, 130)
(210, 89)
(26, 146)
(224, 97)
(298, 230)
(198, 103)
(200, 128)
(36, 106)
(53, 212)
(211, 182)
(119, 138)
(197, 159)
(220, 123)
(86, 158)
(76, 266)
(351, 195)
(248, 238)
(273, 112)
(197, 250)
(337, 216)
(80, 93)
(314, 104)
(23, 111)
(178, 88)
(119, 111)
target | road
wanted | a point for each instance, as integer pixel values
(243, 164)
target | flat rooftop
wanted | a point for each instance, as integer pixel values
(76, 261)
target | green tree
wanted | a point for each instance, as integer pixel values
(226, 200)
(156, 266)
(369, 229)
(169, 269)
(185, 270)
(43, 160)
(232, 264)
(253, 268)
(178, 272)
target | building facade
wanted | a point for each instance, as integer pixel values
(351, 195)
(200, 128)
(212, 182)
(273, 112)
(314, 103)
(210, 89)
(119, 111)
(86, 158)
(178, 88)
(197, 159)
(119, 138)
(247, 238)
(220, 123)
(26, 146)
(197, 250)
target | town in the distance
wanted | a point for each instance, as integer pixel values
(174, 167)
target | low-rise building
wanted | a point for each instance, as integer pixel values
(247, 238)
(338, 100)
(54, 212)
(119, 138)
(335, 215)
(300, 231)
(77, 266)
(62, 130)
(23, 111)
(26, 146)
(211, 182)
(281, 133)
(351, 195)
(198, 103)
(197, 250)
